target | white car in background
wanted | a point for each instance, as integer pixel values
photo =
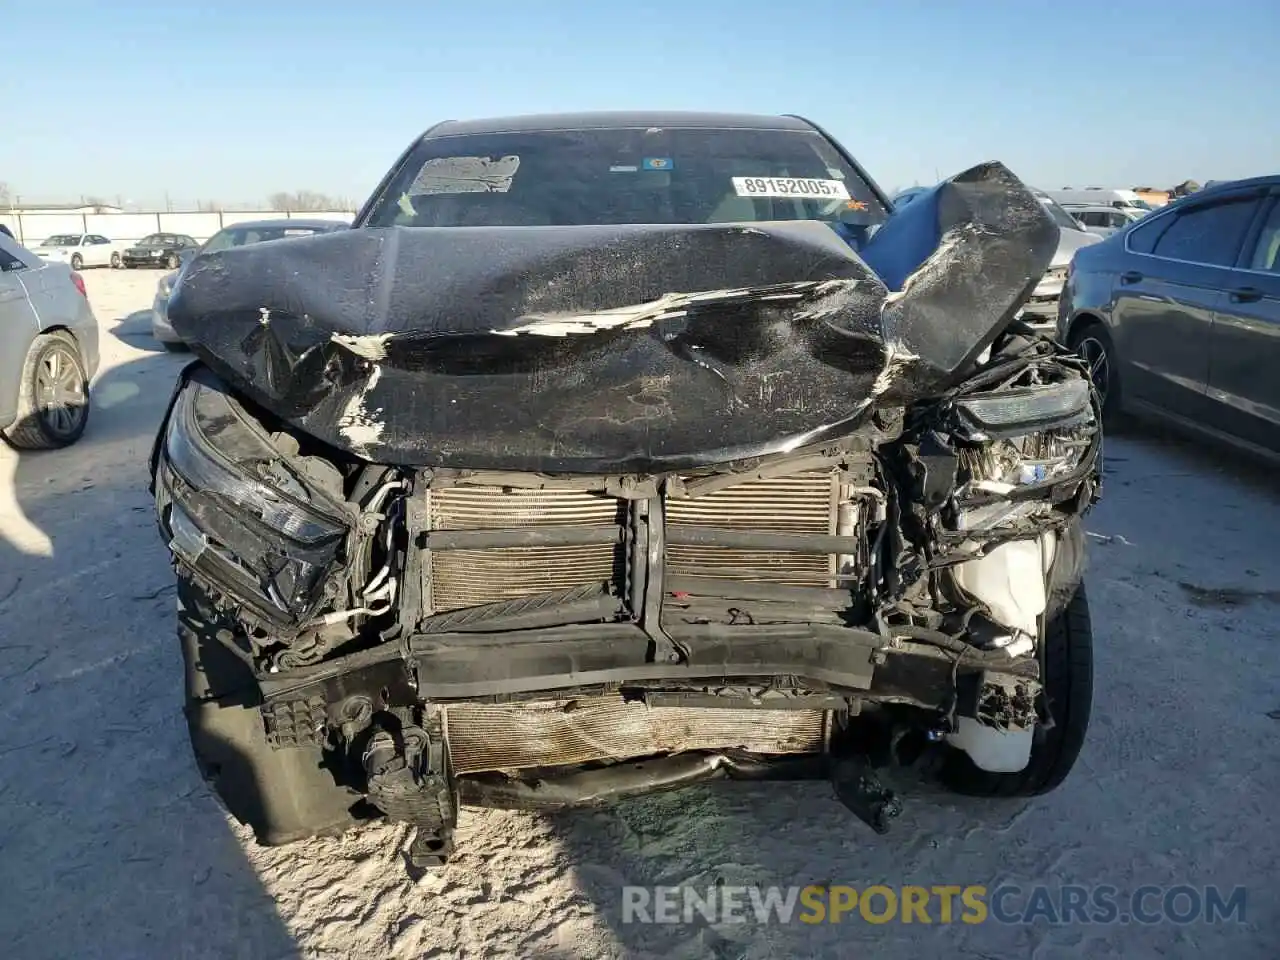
(1104, 220)
(80, 250)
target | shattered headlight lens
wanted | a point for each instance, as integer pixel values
(266, 539)
(192, 454)
(1020, 438)
(1025, 410)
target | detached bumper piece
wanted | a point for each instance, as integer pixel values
(859, 789)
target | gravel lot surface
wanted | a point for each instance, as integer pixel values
(111, 846)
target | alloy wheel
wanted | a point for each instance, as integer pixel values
(1094, 353)
(60, 391)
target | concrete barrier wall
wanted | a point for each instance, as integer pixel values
(31, 228)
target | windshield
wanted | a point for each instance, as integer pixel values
(157, 240)
(63, 240)
(1060, 216)
(241, 236)
(619, 176)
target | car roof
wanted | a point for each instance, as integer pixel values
(315, 223)
(614, 119)
(1267, 180)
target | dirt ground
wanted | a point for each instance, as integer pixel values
(111, 846)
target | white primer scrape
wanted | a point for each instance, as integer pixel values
(667, 307)
(359, 425)
(371, 347)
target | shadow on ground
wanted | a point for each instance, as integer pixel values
(135, 330)
(110, 844)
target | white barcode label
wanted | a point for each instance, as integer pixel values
(803, 187)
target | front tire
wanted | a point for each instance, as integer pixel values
(77, 262)
(284, 795)
(116, 262)
(53, 396)
(1068, 685)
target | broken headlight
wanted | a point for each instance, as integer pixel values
(238, 515)
(1022, 410)
(1023, 438)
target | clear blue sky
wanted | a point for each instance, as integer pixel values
(233, 100)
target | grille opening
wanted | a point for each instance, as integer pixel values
(465, 578)
(799, 504)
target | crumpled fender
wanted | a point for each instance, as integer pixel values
(630, 348)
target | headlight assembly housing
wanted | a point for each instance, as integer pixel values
(1021, 447)
(235, 512)
(1023, 410)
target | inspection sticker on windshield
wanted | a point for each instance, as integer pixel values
(790, 187)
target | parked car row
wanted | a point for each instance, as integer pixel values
(1096, 196)
(81, 250)
(48, 332)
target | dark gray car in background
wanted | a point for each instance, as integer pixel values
(236, 235)
(158, 250)
(1179, 314)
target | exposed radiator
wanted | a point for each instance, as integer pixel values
(486, 737)
(464, 578)
(804, 503)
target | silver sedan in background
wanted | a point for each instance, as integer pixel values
(48, 349)
(237, 235)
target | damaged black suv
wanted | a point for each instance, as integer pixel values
(613, 453)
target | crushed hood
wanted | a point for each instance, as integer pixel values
(614, 348)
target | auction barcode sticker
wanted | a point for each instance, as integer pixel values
(790, 187)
